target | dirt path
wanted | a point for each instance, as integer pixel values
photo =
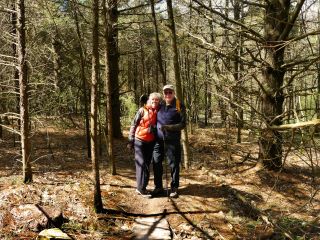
(193, 214)
(212, 194)
(217, 201)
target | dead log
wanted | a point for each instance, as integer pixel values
(314, 122)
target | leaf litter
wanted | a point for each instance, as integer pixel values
(224, 195)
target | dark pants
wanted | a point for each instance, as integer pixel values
(143, 156)
(172, 150)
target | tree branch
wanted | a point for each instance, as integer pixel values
(7, 10)
(138, 6)
(258, 37)
(291, 21)
(255, 4)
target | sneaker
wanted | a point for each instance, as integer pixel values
(174, 193)
(143, 193)
(157, 192)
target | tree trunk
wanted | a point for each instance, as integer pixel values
(208, 95)
(135, 81)
(178, 78)
(16, 71)
(238, 68)
(318, 75)
(142, 83)
(270, 142)
(108, 88)
(187, 86)
(291, 106)
(209, 84)
(206, 87)
(195, 104)
(1, 111)
(223, 105)
(159, 56)
(23, 83)
(156, 76)
(97, 201)
(112, 46)
(56, 45)
(1, 130)
(83, 79)
(318, 94)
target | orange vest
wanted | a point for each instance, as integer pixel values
(148, 120)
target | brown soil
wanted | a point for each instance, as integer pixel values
(224, 194)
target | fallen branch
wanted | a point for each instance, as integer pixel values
(314, 122)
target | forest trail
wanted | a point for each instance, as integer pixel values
(194, 196)
(218, 198)
(198, 212)
(62, 180)
(247, 73)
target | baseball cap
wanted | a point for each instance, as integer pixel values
(168, 86)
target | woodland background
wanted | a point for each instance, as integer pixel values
(247, 71)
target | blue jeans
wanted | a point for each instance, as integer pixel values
(172, 150)
(143, 157)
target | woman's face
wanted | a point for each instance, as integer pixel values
(154, 102)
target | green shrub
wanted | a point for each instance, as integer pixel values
(128, 109)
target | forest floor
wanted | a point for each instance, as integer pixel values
(224, 194)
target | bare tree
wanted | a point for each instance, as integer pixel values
(318, 72)
(158, 46)
(97, 201)
(142, 80)
(178, 78)
(82, 76)
(279, 22)
(13, 16)
(112, 17)
(238, 69)
(23, 84)
(269, 58)
(108, 86)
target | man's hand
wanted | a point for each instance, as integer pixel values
(165, 128)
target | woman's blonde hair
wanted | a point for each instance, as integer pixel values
(155, 94)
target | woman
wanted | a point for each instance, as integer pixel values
(142, 138)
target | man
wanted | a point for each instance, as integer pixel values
(171, 119)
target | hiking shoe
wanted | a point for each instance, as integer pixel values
(174, 193)
(157, 192)
(143, 193)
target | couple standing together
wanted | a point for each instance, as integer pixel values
(155, 133)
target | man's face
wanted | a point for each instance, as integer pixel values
(168, 95)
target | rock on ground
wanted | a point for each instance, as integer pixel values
(53, 233)
(34, 217)
(151, 228)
